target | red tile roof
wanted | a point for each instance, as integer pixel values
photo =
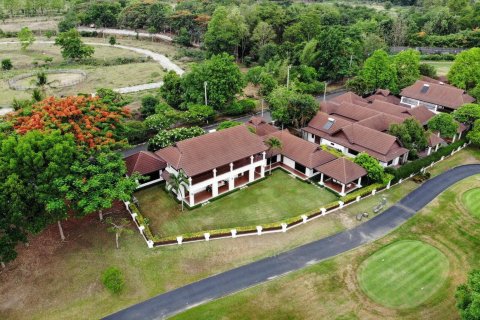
(301, 151)
(383, 95)
(144, 162)
(261, 127)
(212, 150)
(342, 170)
(434, 140)
(443, 95)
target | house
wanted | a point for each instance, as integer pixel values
(297, 156)
(148, 165)
(215, 163)
(383, 95)
(434, 95)
(354, 128)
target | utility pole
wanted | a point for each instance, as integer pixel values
(325, 91)
(205, 87)
(288, 75)
(262, 107)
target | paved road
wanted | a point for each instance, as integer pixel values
(222, 284)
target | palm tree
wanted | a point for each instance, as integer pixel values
(273, 143)
(176, 184)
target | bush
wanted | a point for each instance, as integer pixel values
(148, 105)
(7, 64)
(240, 107)
(438, 57)
(167, 138)
(428, 70)
(228, 124)
(113, 280)
(414, 167)
(198, 114)
(135, 132)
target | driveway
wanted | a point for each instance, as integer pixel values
(217, 286)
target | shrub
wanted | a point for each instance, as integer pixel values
(148, 105)
(228, 124)
(7, 64)
(113, 280)
(168, 137)
(428, 70)
(198, 114)
(240, 107)
(135, 132)
(415, 166)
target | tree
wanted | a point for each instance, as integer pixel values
(292, 108)
(263, 34)
(94, 124)
(183, 38)
(379, 72)
(375, 171)
(95, 181)
(149, 102)
(72, 46)
(198, 113)
(167, 138)
(26, 37)
(407, 65)
(222, 77)
(118, 227)
(228, 124)
(112, 40)
(468, 297)
(465, 71)
(7, 64)
(177, 184)
(172, 91)
(273, 143)
(474, 134)
(28, 201)
(411, 134)
(467, 114)
(443, 123)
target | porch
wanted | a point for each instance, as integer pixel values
(287, 168)
(339, 187)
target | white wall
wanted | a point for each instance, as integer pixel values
(289, 162)
(337, 146)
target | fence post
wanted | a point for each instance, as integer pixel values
(284, 227)
(340, 203)
(259, 230)
(150, 244)
(400, 181)
(305, 218)
(389, 184)
(179, 240)
(234, 233)
(374, 191)
(358, 198)
(207, 236)
(324, 211)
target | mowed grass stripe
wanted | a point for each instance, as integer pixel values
(397, 260)
(471, 200)
(401, 278)
(395, 275)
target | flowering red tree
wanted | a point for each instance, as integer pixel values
(93, 123)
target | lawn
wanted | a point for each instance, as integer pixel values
(278, 197)
(403, 274)
(442, 66)
(61, 280)
(331, 290)
(97, 76)
(471, 201)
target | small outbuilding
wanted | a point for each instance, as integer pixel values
(341, 175)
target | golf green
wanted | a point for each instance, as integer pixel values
(471, 201)
(403, 274)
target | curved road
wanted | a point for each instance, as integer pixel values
(222, 284)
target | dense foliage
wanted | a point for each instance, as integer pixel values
(113, 280)
(375, 171)
(411, 134)
(443, 123)
(167, 138)
(72, 46)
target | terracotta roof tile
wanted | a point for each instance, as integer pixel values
(342, 170)
(144, 162)
(261, 127)
(443, 95)
(212, 150)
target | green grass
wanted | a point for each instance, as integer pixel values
(442, 66)
(434, 250)
(278, 197)
(471, 200)
(403, 274)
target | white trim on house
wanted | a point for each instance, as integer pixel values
(413, 103)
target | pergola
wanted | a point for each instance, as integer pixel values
(341, 175)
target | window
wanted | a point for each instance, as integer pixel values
(353, 152)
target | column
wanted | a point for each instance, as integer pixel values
(262, 171)
(429, 151)
(359, 183)
(436, 147)
(191, 199)
(343, 190)
(215, 184)
(251, 172)
(321, 179)
(231, 179)
(454, 138)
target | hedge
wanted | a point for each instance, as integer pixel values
(361, 192)
(414, 167)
